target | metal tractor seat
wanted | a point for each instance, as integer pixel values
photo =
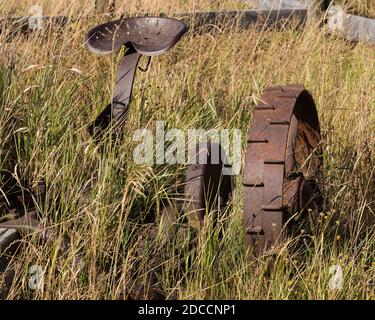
(149, 36)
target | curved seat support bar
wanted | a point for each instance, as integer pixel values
(118, 108)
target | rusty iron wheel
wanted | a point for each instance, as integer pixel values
(206, 187)
(282, 166)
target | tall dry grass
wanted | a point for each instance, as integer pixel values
(52, 88)
(361, 7)
(84, 7)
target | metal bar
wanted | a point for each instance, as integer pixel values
(288, 4)
(117, 110)
(7, 236)
(315, 8)
(244, 18)
(351, 27)
(24, 21)
(279, 4)
(25, 24)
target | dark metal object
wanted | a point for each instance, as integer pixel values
(29, 224)
(8, 247)
(279, 4)
(243, 18)
(18, 203)
(118, 108)
(196, 20)
(205, 186)
(288, 4)
(21, 25)
(282, 164)
(149, 36)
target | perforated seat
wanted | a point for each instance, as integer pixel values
(149, 35)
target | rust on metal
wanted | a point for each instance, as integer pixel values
(282, 165)
(206, 187)
(149, 36)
